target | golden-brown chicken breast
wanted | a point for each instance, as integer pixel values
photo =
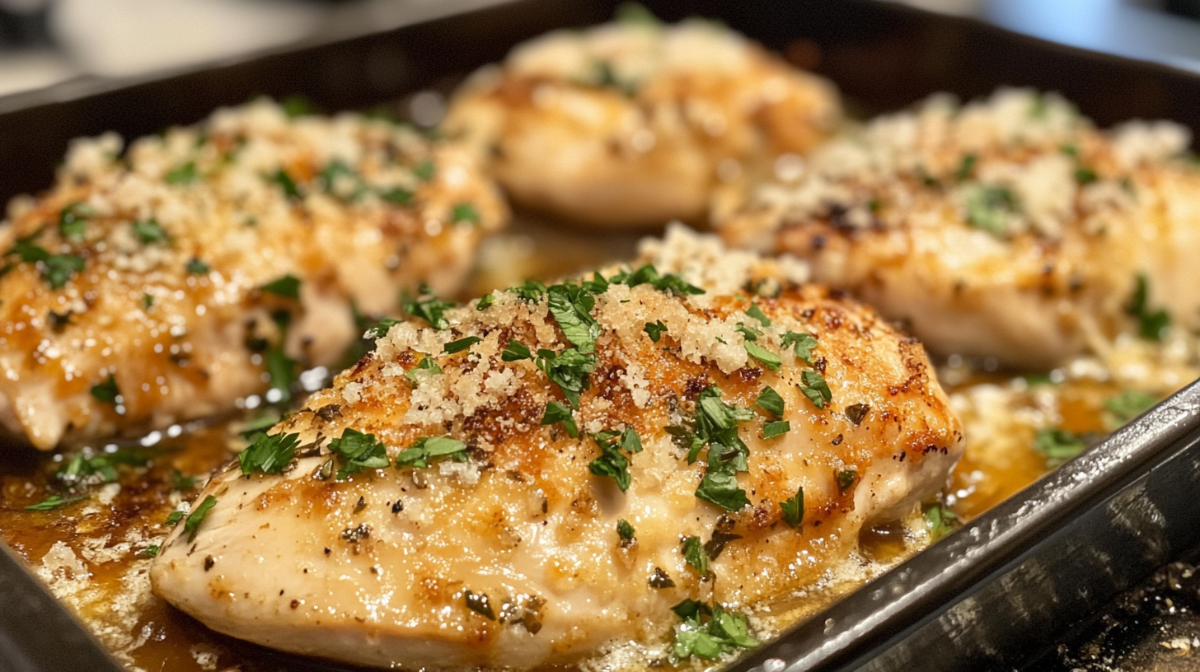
(634, 123)
(1009, 228)
(554, 470)
(166, 282)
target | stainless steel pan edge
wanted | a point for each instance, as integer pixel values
(995, 594)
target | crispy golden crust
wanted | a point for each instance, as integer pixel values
(525, 521)
(1009, 229)
(170, 247)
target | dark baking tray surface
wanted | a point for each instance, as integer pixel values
(988, 596)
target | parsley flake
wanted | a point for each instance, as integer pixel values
(515, 352)
(530, 290)
(53, 502)
(803, 344)
(939, 520)
(359, 451)
(774, 429)
(989, 208)
(1128, 405)
(694, 555)
(770, 401)
(655, 330)
(174, 517)
(568, 370)
(428, 448)
(106, 392)
(460, 345)
(464, 213)
(427, 307)
(756, 312)
(192, 524)
(721, 488)
(571, 305)
(286, 183)
(287, 287)
(486, 302)
(72, 221)
(615, 449)
(625, 531)
(793, 509)
(381, 328)
(151, 551)
(1059, 445)
(426, 367)
(197, 267)
(709, 632)
(559, 412)
(268, 453)
(815, 388)
(1152, 324)
(766, 357)
(845, 479)
(185, 174)
(647, 274)
(396, 196)
(425, 170)
(149, 231)
(57, 269)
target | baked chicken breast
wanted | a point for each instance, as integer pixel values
(550, 472)
(1009, 228)
(634, 123)
(167, 281)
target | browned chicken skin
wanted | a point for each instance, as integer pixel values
(162, 285)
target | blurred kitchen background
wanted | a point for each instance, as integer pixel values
(43, 42)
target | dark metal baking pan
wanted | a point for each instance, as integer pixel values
(990, 594)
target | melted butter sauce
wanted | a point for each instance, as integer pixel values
(153, 636)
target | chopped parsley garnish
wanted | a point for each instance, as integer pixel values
(966, 167)
(770, 401)
(559, 412)
(655, 330)
(793, 508)
(358, 451)
(181, 481)
(1128, 405)
(197, 267)
(635, 14)
(856, 412)
(286, 183)
(721, 488)
(774, 429)
(571, 305)
(649, 275)
(803, 344)
(298, 106)
(425, 170)
(615, 449)
(53, 502)
(748, 333)
(184, 174)
(381, 328)
(530, 290)
(340, 181)
(486, 302)
(766, 357)
(174, 517)
(147, 302)
(845, 479)
(815, 388)
(428, 448)
(106, 392)
(460, 345)
(72, 221)
(568, 370)
(396, 195)
(989, 207)
(268, 453)
(1085, 175)
(427, 307)
(515, 352)
(625, 531)
(149, 231)
(192, 524)
(151, 551)
(1059, 445)
(280, 368)
(694, 555)
(287, 286)
(59, 268)
(756, 312)
(426, 367)
(464, 212)
(1152, 324)
(940, 521)
(709, 632)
